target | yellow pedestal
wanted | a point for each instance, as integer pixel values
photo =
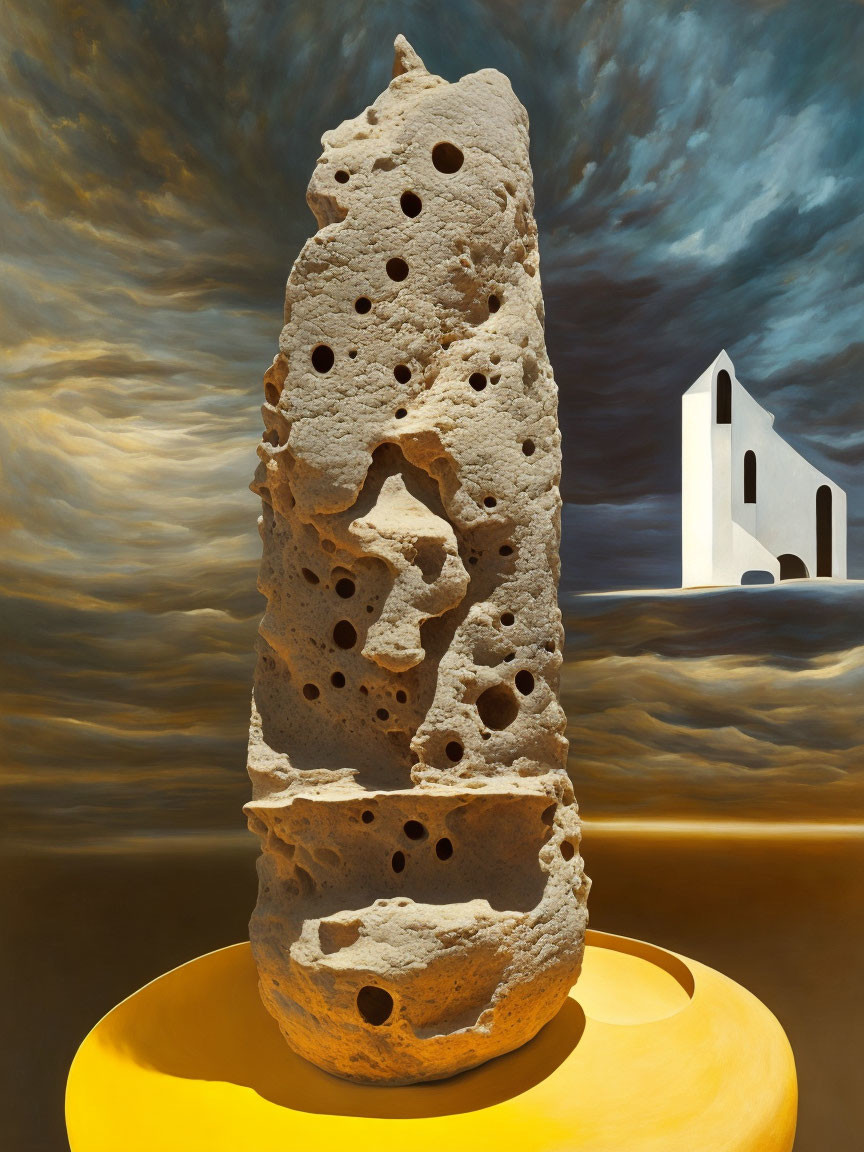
(651, 1053)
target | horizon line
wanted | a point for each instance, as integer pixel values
(209, 840)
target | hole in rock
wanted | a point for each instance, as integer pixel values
(311, 691)
(345, 634)
(429, 557)
(383, 714)
(328, 545)
(414, 830)
(401, 696)
(410, 203)
(447, 157)
(364, 691)
(345, 588)
(528, 447)
(497, 707)
(490, 501)
(401, 413)
(505, 550)
(524, 681)
(494, 379)
(567, 850)
(322, 358)
(353, 353)
(444, 848)
(338, 680)
(549, 645)
(374, 1004)
(397, 862)
(397, 269)
(477, 381)
(367, 817)
(271, 394)
(548, 815)
(341, 177)
(271, 438)
(510, 656)
(494, 303)
(309, 575)
(362, 304)
(495, 358)
(507, 618)
(402, 373)
(454, 751)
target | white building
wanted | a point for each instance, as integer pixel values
(750, 504)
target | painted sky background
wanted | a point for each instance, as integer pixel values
(698, 175)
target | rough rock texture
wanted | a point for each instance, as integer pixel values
(422, 897)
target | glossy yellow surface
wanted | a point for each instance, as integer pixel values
(651, 1053)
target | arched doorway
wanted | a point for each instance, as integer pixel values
(724, 397)
(823, 531)
(792, 567)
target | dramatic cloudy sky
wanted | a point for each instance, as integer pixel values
(698, 177)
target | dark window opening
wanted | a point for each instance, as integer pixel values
(724, 397)
(749, 477)
(824, 543)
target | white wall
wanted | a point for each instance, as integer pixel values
(721, 536)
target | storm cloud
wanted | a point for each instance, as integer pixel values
(698, 174)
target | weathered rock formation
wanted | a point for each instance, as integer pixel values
(422, 898)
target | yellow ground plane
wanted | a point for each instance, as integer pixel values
(651, 1053)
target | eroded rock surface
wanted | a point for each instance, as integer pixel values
(422, 899)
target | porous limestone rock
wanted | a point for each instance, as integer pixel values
(422, 898)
